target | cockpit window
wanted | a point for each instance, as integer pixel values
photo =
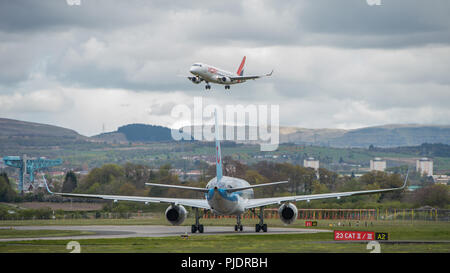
(197, 65)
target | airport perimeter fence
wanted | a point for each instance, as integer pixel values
(431, 214)
(355, 214)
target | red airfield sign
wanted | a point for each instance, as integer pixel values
(340, 235)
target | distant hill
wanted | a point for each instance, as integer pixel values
(137, 133)
(309, 136)
(111, 137)
(379, 136)
(22, 133)
(12, 127)
(14, 133)
(145, 133)
(426, 149)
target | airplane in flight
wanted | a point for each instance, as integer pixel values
(209, 73)
(226, 195)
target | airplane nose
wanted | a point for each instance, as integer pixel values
(192, 69)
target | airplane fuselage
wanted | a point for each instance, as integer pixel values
(213, 74)
(223, 202)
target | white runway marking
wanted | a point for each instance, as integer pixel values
(109, 231)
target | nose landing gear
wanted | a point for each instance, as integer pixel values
(238, 226)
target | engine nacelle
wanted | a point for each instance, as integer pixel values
(195, 80)
(224, 79)
(176, 214)
(288, 213)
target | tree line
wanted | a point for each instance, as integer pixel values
(130, 179)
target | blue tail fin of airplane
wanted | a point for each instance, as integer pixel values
(218, 152)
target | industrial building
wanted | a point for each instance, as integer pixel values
(378, 164)
(310, 162)
(424, 166)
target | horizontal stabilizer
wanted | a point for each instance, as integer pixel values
(177, 187)
(256, 186)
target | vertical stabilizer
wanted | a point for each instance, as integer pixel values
(240, 71)
(218, 152)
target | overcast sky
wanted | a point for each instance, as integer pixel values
(337, 64)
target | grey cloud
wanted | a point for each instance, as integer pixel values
(393, 18)
(161, 108)
(146, 34)
(396, 22)
(376, 60)
(31, 16)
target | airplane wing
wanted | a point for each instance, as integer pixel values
(195, 203)
(195, 79)
(206, 190)
(244, 78)
(260, 202)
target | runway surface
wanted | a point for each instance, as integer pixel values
(104, 232)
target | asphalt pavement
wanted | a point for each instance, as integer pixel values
(125, 231)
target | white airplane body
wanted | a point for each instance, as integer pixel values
(227, 196)
(209, 73)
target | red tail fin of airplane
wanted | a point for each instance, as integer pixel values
(240, 71)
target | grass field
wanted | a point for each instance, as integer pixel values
(438, 232)
(298, 243)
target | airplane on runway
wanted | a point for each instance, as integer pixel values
(226, 195)
(209, 73)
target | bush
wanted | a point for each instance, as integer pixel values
(434, 195)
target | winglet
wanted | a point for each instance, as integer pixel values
(46, 185)
(406, 180)
(270, 74)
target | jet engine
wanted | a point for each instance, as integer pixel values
(195, 80)
(288, 213)
(176, 214)
(224, 79)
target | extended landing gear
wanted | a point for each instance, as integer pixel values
(197, 226)
(207, 86)
(238, 226)
(227, 87)
(261, 225)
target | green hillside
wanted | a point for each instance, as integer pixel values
(15, 134)
(379, 136)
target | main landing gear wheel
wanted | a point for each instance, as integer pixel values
(238, 226)
(197, 226)
(261, 225)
